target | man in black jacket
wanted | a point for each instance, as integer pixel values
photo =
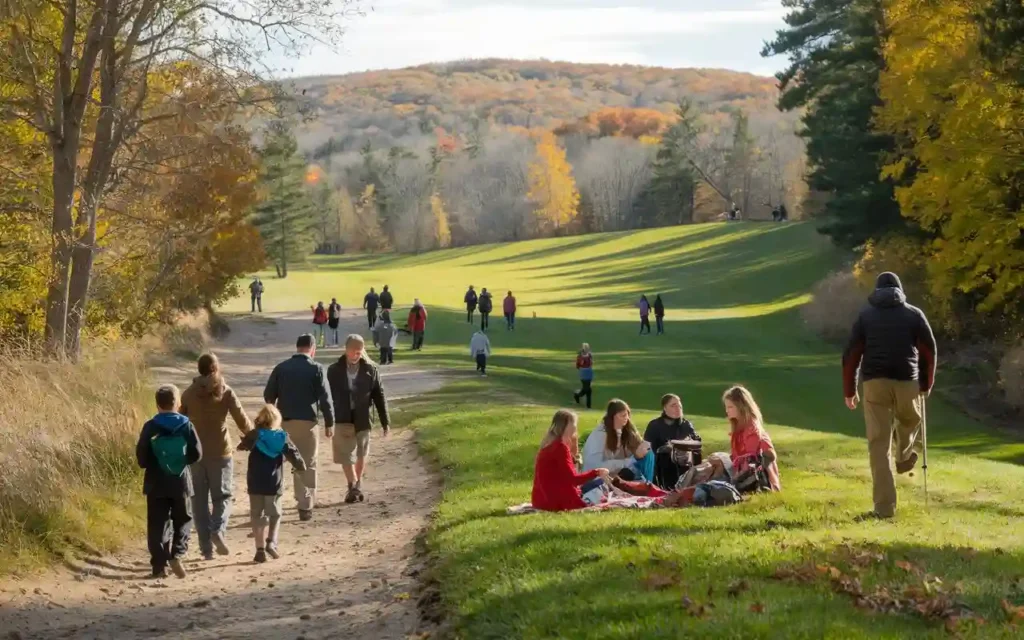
(470, 299)
(297, 387)
(370, 302)
(486, 306)
(355, 383)
(894, 348)
(387, 301)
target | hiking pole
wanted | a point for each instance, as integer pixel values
(924, 444)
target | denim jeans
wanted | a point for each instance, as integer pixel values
(212, 481)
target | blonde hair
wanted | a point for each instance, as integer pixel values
(268, 418)
(560, 423)
(745, 404)
(585, 348)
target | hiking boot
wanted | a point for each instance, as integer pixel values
(260, 557)
(576, 397)
(159, 574)
(908, 464)
(178, 568)
(359, 495)
(305, 515)
(272, 550)
(350, 497)
(207, 555)
(217, 538)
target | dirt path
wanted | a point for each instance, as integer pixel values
(348, 573)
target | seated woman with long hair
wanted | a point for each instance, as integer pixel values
(751, 444)
(616, 445)
(556, 485)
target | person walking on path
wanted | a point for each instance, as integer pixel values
(268, 448)
(355, 383)
(486, 306)
(319, 321)
(417, 324)
(333, 317)
(509, 307)
(659, 314)
(167, 445)
(370, 302)
(893, 346)
(585, 368)
(645, 315)
(297, 387)
(471, 300)
(208, 402)
(385, 336)
(256, 293)
(480, 349)
(387, 301)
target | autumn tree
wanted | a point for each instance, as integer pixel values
(552, 187)
(669, 199)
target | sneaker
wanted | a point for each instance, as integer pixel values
(207, 555)
(908, 464)
(178, 568)
(217, 538)
(350, 497)
(159, 574)
(305, 515)
(576, 397)
(272, 550)
(359, 494)
(261, 556)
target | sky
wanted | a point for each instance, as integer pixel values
(726, 34)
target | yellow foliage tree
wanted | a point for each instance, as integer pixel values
(552, 188)
(442, 230)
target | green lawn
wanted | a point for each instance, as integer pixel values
(795, 564)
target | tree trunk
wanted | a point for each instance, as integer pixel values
(83, 255)
(60, 253)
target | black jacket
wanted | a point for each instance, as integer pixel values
(157, 483)
(371, 300)
(659, 308)
(297, 386)
(890, 339)
(368, 394)
(268, 449)
(470, 300)
(662, 429)
(486, 303)
(387, 300)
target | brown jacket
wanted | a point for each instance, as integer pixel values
(208, 410)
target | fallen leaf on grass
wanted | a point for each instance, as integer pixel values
(907, 566)
(659, 581)
(1014, 613)
(737, 587)
(401, 596)
(757, 607)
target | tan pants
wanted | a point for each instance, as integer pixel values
(892, 411)
(304, 434)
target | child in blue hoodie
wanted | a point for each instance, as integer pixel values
(167, 446)
(268, 447)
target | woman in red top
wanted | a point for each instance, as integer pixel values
(556, 485)
(319, 319)
(749, 439)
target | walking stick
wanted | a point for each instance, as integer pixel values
(924, 444)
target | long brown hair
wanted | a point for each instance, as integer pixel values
(744, 402)
(560, 423)
(209, 366)
(630, 436)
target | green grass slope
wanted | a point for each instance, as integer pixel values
(796, 564)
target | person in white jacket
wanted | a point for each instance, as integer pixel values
(480, 348)
(616, 447)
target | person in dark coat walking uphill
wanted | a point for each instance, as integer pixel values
(486, 306)
(471, 300)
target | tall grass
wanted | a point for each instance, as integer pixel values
(67, 436)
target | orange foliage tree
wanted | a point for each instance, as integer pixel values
(619, 122)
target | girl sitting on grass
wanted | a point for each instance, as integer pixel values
(556, 485)
(616, 445)
(750, 442)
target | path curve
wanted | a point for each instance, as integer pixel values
(350, 572)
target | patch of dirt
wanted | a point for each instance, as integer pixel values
(351, 572)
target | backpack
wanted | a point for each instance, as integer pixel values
(170, 450)
(754, 478)
(716, 493)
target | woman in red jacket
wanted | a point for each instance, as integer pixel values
(556, 485)
(417, 324)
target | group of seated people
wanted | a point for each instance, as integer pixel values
(667, 463)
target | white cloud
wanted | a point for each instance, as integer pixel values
(399, 33)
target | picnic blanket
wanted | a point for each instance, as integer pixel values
(615, 500)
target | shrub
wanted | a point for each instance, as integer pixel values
(1011, 373)
(836, 302)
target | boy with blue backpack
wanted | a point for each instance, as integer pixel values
(167, 446)
(268, 446)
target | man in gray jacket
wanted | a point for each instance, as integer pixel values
(298, 386)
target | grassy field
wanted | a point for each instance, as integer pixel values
(796, 564)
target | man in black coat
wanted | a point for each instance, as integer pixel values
(370, 304)
(894, 348)
(470, 299)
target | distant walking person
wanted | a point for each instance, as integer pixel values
(319, 321)
(355, 383)
(509, 307)
(333, 317)
(385, 336)
(585, 368)
(480, 349)
(659, 314)
(256, 292)
(297, 387)
(387, 301)
(417, 324)
(486, 306)
(893, 346)
(645, 315)
(208, 402)
(471, 300)
(370, 302)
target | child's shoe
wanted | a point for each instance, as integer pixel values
(178, 568)
(261, 556)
